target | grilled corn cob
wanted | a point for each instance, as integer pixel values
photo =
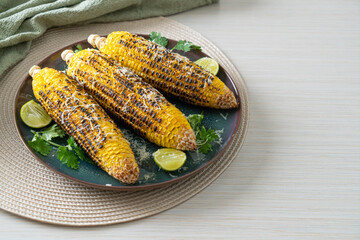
(133, 101)
(83, 118)
(174, 74)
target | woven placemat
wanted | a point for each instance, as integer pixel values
(29, 189)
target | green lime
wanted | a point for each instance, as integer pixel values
(34, 115)
(169, 159)
(208, 64)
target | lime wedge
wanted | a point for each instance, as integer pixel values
(34, 115)
(169, 159)
(208, 64)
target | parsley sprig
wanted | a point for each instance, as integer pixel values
(182, 45)
(204, 138)
(68, 154)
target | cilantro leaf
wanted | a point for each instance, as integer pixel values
(52, 132)
(68, 157)
(209, 135)
(157, 38)
(205, 148)
(182, 45)
(71, 142)
(196, 47)
(204, 138)
(69, 154)
(40, 145)
(79, 151)
(186, 46)
(78, 48)
(82, 155)
(195, 120)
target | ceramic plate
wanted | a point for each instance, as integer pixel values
(151, 176)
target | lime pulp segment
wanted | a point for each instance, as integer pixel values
(169, 159)
(33, 115)
(208, 64)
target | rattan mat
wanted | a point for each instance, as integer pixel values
(29, 189)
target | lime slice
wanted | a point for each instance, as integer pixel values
(34, 115)
(208, 64)
(169, 159)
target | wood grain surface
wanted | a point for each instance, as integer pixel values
(298, 173)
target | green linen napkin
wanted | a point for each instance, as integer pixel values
(21, 21)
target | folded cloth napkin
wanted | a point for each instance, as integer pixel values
(21, 21)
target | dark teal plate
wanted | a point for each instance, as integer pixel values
(151, 176)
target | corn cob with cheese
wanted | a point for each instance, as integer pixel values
(82, 117)
(133, 101)
(167, 71)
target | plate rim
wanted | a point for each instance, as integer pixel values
(130, 187)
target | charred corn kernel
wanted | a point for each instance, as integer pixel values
(82, 117)
(133, 101)
(174, 74)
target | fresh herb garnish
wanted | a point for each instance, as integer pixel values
(40, 145)
(182, 45)
(52, 132)
(204, 138)
(78, 48)
(186, 46)
(68, 157)
(157, 38)
(79, 151)
(68, 154)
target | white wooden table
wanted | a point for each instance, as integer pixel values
(298, 173)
